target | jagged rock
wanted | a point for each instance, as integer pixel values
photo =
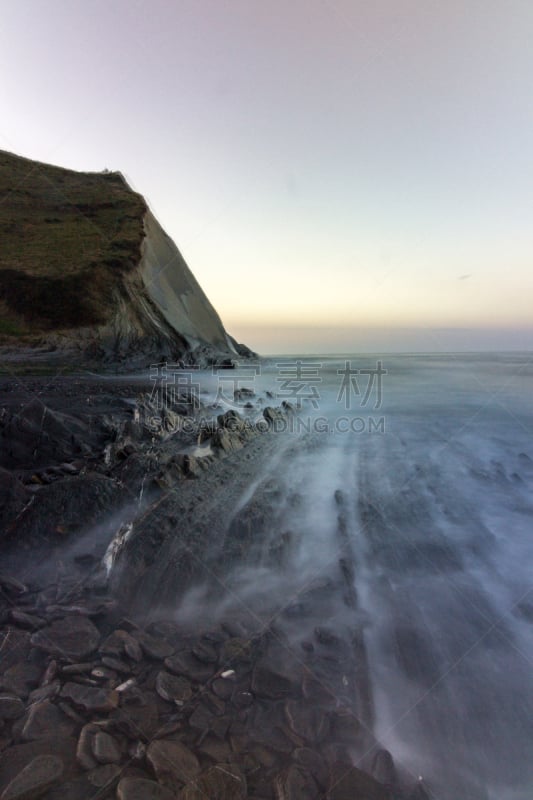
(90, 698)
(348, 782)
(221, 782)
(105, 748)
(43, 719)
(73, 637)
(295, 783)
(172, 688)
(140, 789)
(173, 763)
(11, 707)
(38, 776)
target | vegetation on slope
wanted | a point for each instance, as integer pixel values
(65, 239)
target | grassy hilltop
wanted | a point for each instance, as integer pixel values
(65, 239)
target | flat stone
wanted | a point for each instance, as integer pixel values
(90, 698)
(173, 763)
(11, 707)
(35, 779)
(45, 719)
(140, 789)
(74, 637)
(173, 688)
(105, 748)
(221, 782)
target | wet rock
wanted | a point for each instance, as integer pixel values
(306, 721)
(89, 698)
(15, 646)
(140, 789)
(11, 585)
(45, 692)
(173, 763)
(346, 728)
(296, 783)
(105, 748)
(221, 782)
(348, 782)
(200, 718)
(236, 650)
(21, 678)
(74, 637)
(313, 762)
(43, 719)
(116, 664)
(173, 688)
(158, 649)
(270, 684)
(205, 652)
(27, 621)
(222, 688)
(35, 779)
(84, 749)
(383, 769)
(184, 663)
(11, 707)
(420, 792)
(15, 758)
(104, 775)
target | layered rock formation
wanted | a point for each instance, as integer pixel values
(88, 275)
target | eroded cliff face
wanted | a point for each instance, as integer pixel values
(88, 276)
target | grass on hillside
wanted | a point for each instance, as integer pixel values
(64, 237)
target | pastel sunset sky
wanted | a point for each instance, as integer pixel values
(340, 175)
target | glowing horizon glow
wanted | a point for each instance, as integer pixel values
(319, 164)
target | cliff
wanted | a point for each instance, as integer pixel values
(88, 276)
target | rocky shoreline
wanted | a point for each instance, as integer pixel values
(108, 686)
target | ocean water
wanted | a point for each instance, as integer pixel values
(434, 459)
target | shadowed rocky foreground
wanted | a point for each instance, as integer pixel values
(117, 680)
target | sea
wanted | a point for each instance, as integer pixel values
(433, 455)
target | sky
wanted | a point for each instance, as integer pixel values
(340, 175)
